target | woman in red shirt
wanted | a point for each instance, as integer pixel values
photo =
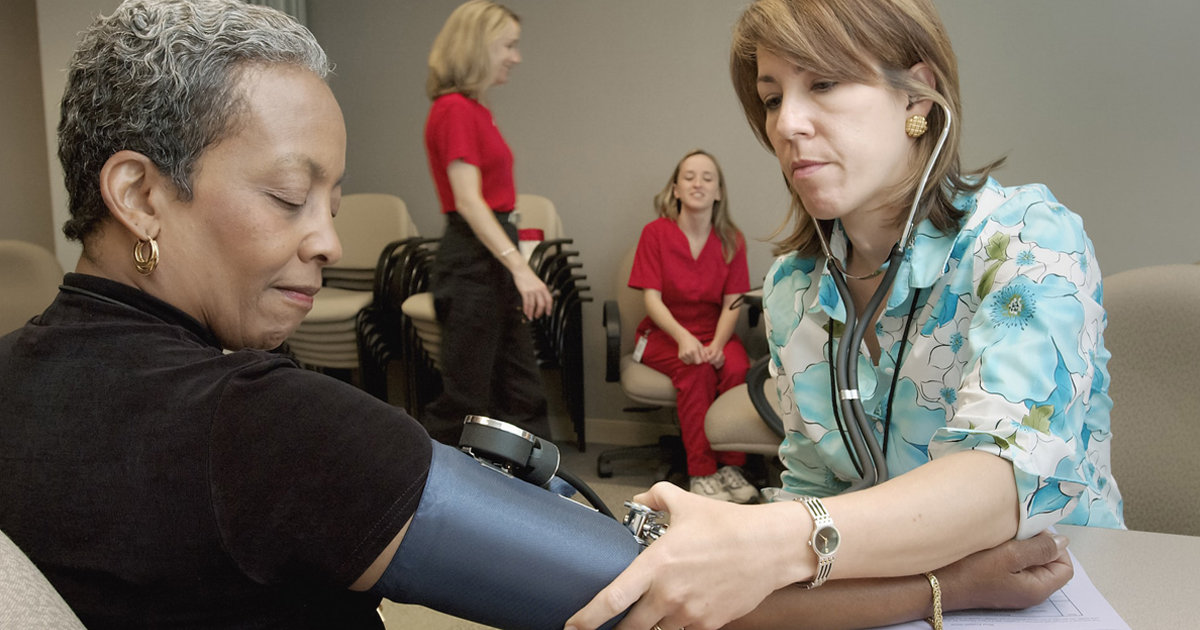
(691, 266)
(484, 290)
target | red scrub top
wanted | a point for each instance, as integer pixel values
(459, 128)
(693, 290)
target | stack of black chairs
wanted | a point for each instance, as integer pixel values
(387, 338)
(386, 335)
(558, 336)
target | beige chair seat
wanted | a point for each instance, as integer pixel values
(729, 424)
(343, 338)
(419, 309)
(333, 327)
(646, 385)
(337, 305)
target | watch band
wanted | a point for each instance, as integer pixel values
(822, 522)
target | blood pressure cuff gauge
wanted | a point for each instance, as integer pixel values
(491, 548)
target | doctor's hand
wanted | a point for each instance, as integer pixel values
(1013, 575)
(716, 563)
(691, 350)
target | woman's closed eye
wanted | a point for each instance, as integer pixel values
(289, 202)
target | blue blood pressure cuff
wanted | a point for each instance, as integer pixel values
(499, 551)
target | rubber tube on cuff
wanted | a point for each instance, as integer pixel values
(499, 551)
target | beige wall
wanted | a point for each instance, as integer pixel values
(24, 175)
(1095, 98)
(59, 25)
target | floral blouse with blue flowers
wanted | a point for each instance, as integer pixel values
(1005, 355)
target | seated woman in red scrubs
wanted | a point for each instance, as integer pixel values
(691, 266)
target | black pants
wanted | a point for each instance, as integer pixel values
(488, 362)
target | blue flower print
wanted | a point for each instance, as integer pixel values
(1014, 306)
(956, 342)
(1018, 330)
(787, 280)
(1007, 356)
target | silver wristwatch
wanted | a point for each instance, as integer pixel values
(824, 541)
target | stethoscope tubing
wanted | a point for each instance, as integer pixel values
(873, 467)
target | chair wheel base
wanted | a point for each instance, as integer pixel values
(667, 457)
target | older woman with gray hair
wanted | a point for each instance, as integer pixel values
(157, 464)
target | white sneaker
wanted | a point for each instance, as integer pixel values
(734, 483)
(710, 486)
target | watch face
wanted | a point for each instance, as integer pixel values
(825, 540)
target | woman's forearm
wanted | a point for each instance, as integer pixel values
(726, 322)
(842, 605)
(927, 518)
(661, 315)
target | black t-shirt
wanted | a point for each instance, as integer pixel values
(159, 482)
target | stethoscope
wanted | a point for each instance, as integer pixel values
(844, 373)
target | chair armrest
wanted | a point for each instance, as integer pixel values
(612, 332)
(753, 300)
(756, 379)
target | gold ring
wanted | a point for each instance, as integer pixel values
(656, 627)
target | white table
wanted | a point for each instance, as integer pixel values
(1152, 580)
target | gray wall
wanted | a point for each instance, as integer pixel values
(1094, 98)
(24, 175)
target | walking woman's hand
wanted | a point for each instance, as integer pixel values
(535, 297)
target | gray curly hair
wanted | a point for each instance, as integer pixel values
(160, 77)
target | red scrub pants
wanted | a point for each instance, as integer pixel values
(698, 386)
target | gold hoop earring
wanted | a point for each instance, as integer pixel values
(915, 126)
(145, 264)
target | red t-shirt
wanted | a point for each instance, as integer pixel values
(692, 289)
(459, 128)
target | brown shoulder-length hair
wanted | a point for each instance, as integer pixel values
(873, 42)
(668, 205)
(459, 60)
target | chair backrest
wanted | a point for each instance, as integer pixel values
(29, 279)
(537, 212)
(630, 301)
(27, 599)
(366, 223)
(1152, 314)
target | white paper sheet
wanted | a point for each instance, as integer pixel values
(1078, 606)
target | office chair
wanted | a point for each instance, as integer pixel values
(652, 389)
(1152, 336)
(27, 599)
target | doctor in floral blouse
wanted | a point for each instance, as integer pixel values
(983, 373)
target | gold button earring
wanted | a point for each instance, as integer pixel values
(915, 126)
